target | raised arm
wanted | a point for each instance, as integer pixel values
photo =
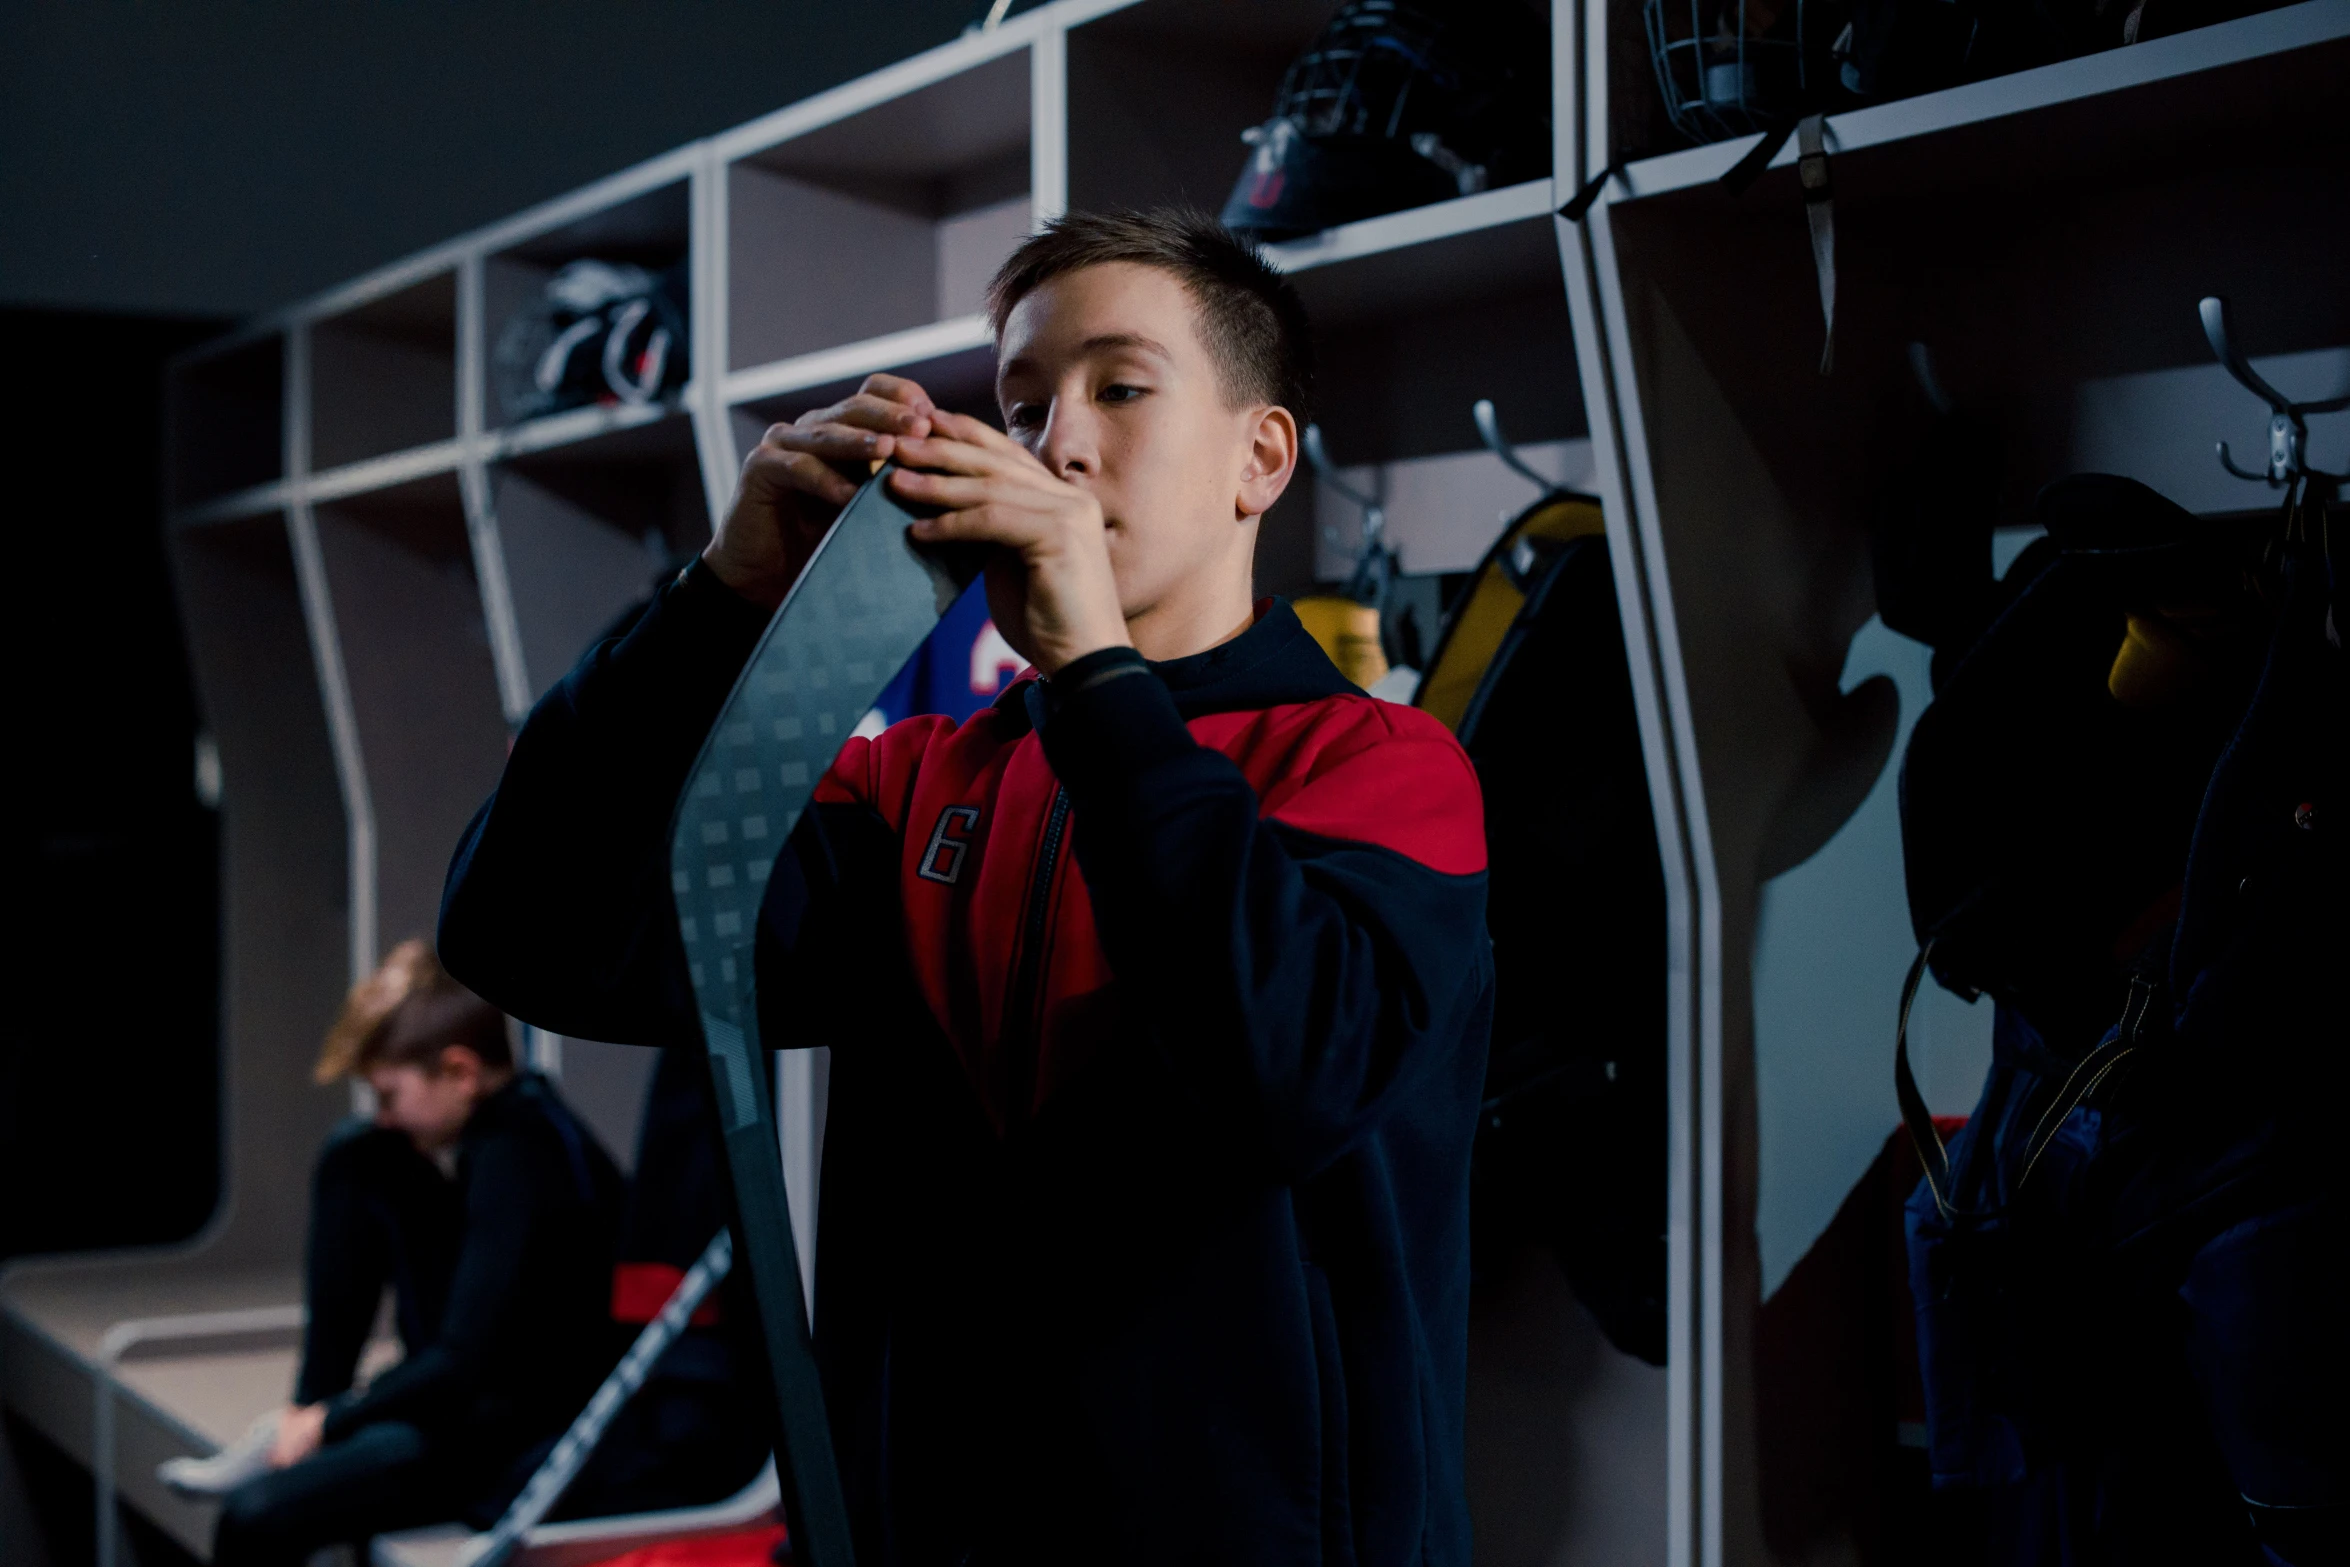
(557, 903)
(556, 906)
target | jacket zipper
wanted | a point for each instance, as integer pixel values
(1024, 1031)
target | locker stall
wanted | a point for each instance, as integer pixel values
(382, 568)
(2046, 235)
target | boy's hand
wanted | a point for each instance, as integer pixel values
(1049, 588)
(300, 1430)
(797, 479)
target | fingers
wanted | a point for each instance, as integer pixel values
(832, 442)
(964, 445)
(871, 409)
(985, 436)
(778, 468)
(985, 510)
(898, 389)
(955, 491)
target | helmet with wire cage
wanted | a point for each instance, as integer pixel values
(1397, 105)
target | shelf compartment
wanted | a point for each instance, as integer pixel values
(383, 473)
(1396, 387)
(383, 377)
(954, 361)
(891, 218)
(589, 529)
(1443, 511)
(226, 420)
(285, 945)
(2051, 308)
(577, 426)
(1160, 92)
(650, 230)
(2258, 83)
(424, 690)
(1471, 247)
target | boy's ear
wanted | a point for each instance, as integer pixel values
(459, 1058)
(1272, 460)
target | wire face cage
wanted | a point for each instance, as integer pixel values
(1728, 67)
(1358, 78)
(1398, 104)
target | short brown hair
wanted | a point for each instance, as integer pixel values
(1250, 319)
(405, 1014)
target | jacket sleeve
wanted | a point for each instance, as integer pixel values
(556, 907)
(504, 1203)
(1306, 961)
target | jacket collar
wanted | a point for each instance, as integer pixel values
(1276, 661)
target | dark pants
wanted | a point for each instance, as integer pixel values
(381, 1215)
(378, 1479)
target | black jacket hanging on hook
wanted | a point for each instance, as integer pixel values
(2113, 1271)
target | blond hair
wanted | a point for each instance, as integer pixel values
(405, 1014)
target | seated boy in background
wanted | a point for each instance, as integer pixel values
(491, 1211)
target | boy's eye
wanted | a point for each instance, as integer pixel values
(1120, 392)
(1024, 416)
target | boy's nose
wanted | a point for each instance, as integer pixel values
(1068, 446)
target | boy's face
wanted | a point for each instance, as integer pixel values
(431, 1105)
(1104, 378)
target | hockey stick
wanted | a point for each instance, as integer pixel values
(570, 1455)
(859, 610)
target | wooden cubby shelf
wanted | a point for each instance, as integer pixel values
(651, 229)
(588, 529)
(383, 375)
(889, 219)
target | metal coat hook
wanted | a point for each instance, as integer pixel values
(1489, 430)
(1374, 562)
(2288, 425)
(1374, 514)
(1921, 365)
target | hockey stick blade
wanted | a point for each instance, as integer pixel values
(859, 611)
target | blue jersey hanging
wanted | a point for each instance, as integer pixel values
(963, 665)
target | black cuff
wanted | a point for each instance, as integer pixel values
(339, 1422)
(1108, 718)
(700, 591)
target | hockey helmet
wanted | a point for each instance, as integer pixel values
(1397, 105)
(599, 333)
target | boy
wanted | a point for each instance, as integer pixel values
(1145, 1201)
(491, 1212)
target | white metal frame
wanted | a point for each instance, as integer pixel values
(116, 1344)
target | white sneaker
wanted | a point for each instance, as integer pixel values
(225, 1470)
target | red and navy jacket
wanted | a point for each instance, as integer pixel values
(1157, 997)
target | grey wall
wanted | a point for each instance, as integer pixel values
(222, 158)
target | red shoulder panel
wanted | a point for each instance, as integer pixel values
(879, 772)
(1368, 771)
